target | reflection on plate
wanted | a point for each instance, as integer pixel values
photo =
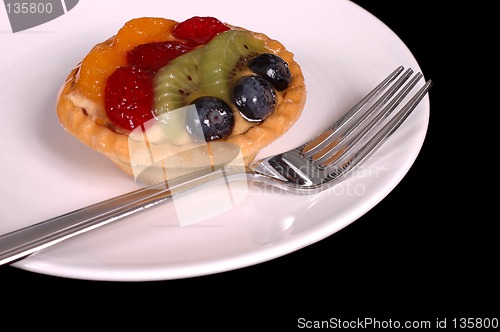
(46, 172)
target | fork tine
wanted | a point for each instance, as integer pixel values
(361, 129)
(327, 137)
(366, 150)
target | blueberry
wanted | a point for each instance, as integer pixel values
(214, 116)
(272, 68)
(254, 97)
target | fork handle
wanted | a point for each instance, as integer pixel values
(25, 241)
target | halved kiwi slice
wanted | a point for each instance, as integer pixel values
(175, 82)
(206, 71)
(225, 60)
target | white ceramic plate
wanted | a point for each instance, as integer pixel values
(344, 51)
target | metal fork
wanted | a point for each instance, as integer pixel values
(310, 168)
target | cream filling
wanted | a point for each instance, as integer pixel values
(92, 109)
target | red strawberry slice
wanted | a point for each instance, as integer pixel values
(156, 55)
(129, 96)
(199, 30)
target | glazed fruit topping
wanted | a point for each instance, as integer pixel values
(254, 97)
(129, 96)
(199, 30)
(213, 116)
(231, 73)
(156, 55)
(129, 92)
(272, 68)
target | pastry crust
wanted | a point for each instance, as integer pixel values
(102, 137)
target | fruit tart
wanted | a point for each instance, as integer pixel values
(172, 86)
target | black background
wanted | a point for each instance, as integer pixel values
(426, 252)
